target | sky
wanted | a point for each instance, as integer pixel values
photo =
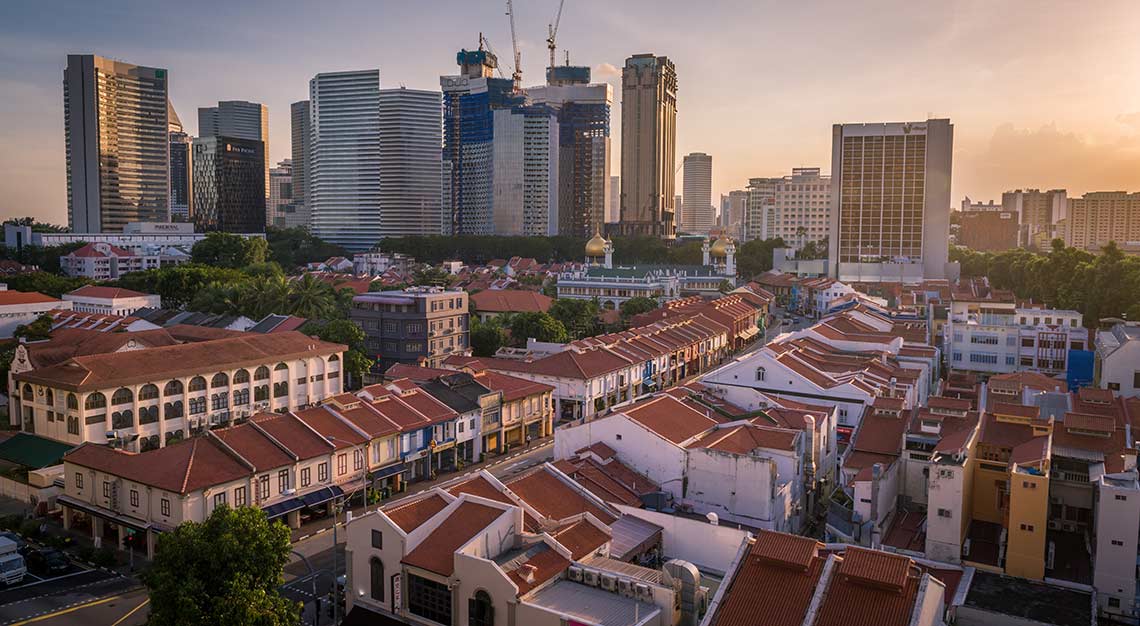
(1041, 93)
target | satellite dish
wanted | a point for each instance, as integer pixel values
(713, 518)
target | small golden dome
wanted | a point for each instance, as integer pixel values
(596, 246)
(719, 248)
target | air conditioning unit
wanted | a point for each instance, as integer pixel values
(1054, 524)
(644, 593)
(574, 573)
(966, 548)
(625, 587)
(609, 582)
(590, 578)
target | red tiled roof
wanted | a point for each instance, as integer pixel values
(436, 553)
(776, 580)
(182, 467)
(744, 439)
(95, 291)
(320, 419)
(870, 588)
(600, 449)
(581, 538)
(11, 298)
(670, 418)
(510, 301)
(540, 567)
(90, 251)
(293, 434)
(554, 499)
(411, 515)
(253, 446)
(1015, 410)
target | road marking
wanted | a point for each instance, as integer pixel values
(69, 609)
(68, 590)
(132, 612)
(49, 580)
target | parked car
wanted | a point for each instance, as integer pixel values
(21, 545)
(12, 566)
(48, 561)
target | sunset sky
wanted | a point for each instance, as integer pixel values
(1042, 94)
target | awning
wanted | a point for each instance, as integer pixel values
(106, 514)
(391, 470)
(633, 536)
(749, 332)
(321, 496)
(283, 508)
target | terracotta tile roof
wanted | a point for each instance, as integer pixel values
(436, 553)
(182, 467)
(322, 420)
(1004, 434)
(293, 434)
(554, 499)
(1095, 395)
(1015, 410)
(600, 449)
(10, 298)
(1033, 380)
(95, 291)
(880, 434)
(956, 404)
(744, 439)
(543, 565)
(479, 486)
(776, 579)
(403, 370)
(870, 588)
(68, 342)
(254, 447)
(612, 481)
(670, 418)
(512, 387)
(581, 538)
(100, 371)
(411, 515)
(510, 301)
(91, 251)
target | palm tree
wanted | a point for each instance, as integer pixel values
(310, 298)
(267, 296)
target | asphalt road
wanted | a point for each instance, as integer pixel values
(62, 600)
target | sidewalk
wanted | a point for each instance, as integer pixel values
(325, 523)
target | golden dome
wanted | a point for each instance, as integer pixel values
(596, 246)
(719, 248)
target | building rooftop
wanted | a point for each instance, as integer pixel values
(109, 293)
(1029, 600)
(12, 298)
(591, 605)
(510, 301)
(436, 552)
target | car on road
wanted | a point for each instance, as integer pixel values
(48, 561)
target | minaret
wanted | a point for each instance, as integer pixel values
(609, 249)
(705, 253)
(730, 259)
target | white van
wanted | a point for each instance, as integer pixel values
(12, 566)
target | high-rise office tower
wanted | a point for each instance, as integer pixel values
(343, 183)
(732, 210)
(802, 208)
(180, 167)
(300, 135)
(237, 119)
(890, 199)
(280, 203)
(648, 146)
(584, 146)
(469, 99)
(699, 215)
(757, 222)
(411, 165)
(526, 169)
(678, 209)
(1039, 213)
(227, 185)
(613, 205)
(116, 133)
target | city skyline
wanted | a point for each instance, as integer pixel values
(1081, 133)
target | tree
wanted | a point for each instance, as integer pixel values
(725, 286)
(356, 362)
(755, 257)
(294, 247)
(637, 306)
(266, 297)
(225, 570)
(579, 317)
(311, 298)
(229, 250)
(48, 284)
(432, 276)
(486, 337)
(538, 326)
(37, 330)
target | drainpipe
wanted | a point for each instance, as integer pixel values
(876, 476)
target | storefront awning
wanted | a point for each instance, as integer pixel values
(283, 508)
(322, 496)
(106, 514)
(391, 470)
(313, 498)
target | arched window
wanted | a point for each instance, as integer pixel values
(261, 373)
(122, 396)
(480, 610)
(50, 397)
(197, 383)
(148, 414)
(28, 394)
(760, 373)
(280, 389)
(241, 377)
(261, 394)
(281, 367)
(148, 392)
(174, 436)
(122, 419)
(72, 402)
(173, 388)
(95, 401)
(72, 425)
(376, 575)
(334, 358)
(172, 410)
(148, 443)
(220, 380)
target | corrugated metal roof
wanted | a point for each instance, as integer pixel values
(592, 605)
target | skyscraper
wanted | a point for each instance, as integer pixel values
(1099, 217)
(613, 204)
(411, 165)
(227, 185)
(343, 183)
(732, 210)
(469, 100)
(757, 221)
(699, 215)
(180, 167)
(526, 169)
(890, 198)
(584, 146)
(280, 204)
(802, 209)
(300, 135)
(1039, 213)
(237, 119)
(117, 144)
(648, 146)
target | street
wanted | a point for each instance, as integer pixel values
(74, 598)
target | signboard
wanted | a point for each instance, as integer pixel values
(397, 593)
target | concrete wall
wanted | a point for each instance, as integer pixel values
(1028, 506)
(645, 452)
(475, 573)
(708, 547)
(1114, 570)
(944, 534)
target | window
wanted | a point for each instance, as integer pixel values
(957, 356)
(282, 481)
(945, 513)
(760, 373)
(1114, 386)
(979, 357)
(122, 396)
(378, 539)
(281, 367)
(1027, 342)
(357, 460)
(341, 463)
(261, 394)
(429, 599)
(1010, 359)
(219, 499)
(148, 392)
(1136, 380)
(197, 384)
(1117, 543)
(164, 507)
(263, 487)
(261, 373)
(306, 476)
(172, 388)
(78, 480)
(72, 402)
(148, 414)
(1028, 485)
(72, 425)
(280, 389)
(241, 377)
(1121, 497)
(480, 610)
(323, 472)
(134, 497)
(197, 405)
(1027, 527)
(618, 436)
(172, 409)
(219, 401)
(220, 380)
(1114, 603)
(239, 496)
(376, 577)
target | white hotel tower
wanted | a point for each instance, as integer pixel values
(411, 162)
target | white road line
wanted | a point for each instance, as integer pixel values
(68, 590)
(48, 580)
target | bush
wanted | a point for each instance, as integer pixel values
(30, 529)
(11, 522)
(104, 557)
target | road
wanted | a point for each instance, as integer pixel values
(73, 598)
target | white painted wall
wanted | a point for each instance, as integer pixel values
(710, 548)
(944, 534)
(644, 451)
(1114, 569)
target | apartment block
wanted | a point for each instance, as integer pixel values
(988, 231)
(417, 326)
(1097, 218)
(110, 300)
(801, 211)
(104, 261)
(998, 337)
(1040, 213)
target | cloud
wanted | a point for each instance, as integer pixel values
(606, 71)
(1050, 157)
(1130, 119)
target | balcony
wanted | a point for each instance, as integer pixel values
(1069, 476)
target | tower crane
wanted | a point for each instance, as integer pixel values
(552, 29)
(484, 42)
(516, 76)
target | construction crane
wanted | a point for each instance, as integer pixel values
(552, 29)
(517, 75)
(484, 42)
